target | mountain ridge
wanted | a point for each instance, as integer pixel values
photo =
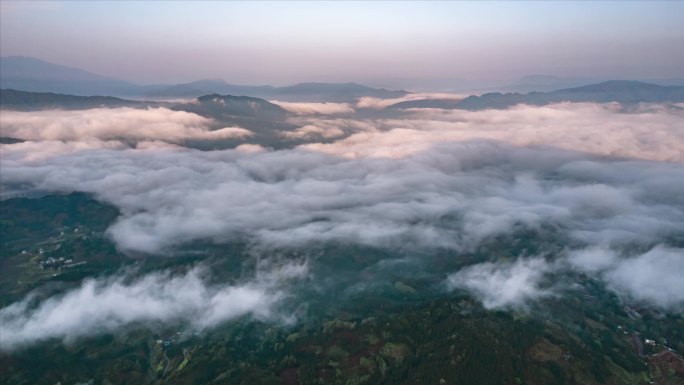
(620, 91)
(25, 73)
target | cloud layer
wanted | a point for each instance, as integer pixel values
(169, 196)
(379, 104)
(503, 284)
(605, 183)
(108, 305)
(652, 132)
(292, 197)
(311, 108)
(652, 278)
(112, 124)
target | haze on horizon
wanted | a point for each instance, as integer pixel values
(287, 42)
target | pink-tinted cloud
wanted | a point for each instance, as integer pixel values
(304, 108)
(653, 133)
(111, 124)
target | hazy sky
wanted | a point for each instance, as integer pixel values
(285, 42)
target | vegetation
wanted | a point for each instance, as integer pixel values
(400, 330)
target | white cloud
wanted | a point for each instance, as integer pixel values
(654, 133)
(290, 198)
(310, 108)
(224, 133)
(425, 182)
(502, 284)
(593, 259)
(379, 104)
(109, 305)
(313, 132)
(653, 278)
(113, 124)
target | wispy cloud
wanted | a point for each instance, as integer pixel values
(112, 124)
(311, 108)
(499, 285)
(450, 180)
(112, 304)
(379, 104)
(601, 129)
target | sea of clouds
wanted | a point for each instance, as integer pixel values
(610, 182)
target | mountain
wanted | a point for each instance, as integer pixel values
(35, 75)
(334, 92)
(265, 119)
(205, 87)
(406, 332)
(221, 107)
(620, 91)
(448, 84)
(547, 83)
(31, 74)
(23, 100)
(322, 92)
(217, 106)
(228, 106)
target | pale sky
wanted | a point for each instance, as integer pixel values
(286, 42)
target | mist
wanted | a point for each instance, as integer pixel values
(599, 188)
(151, 301)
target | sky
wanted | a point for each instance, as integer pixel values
(286, 42)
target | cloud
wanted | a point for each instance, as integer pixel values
(454, 195)
(315, 108)
(313, 127)
(504, 284)
(650, 133)
(110, 304)
(593, 259)
(224, 133)
(113, 124)
(451, 180)
(37, 151)
(653, 278)
(313, 131)
(380, 104)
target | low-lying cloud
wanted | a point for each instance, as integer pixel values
(311, 131)
(109, 305)
(380, 104)
(112, 124)
(303, 108)
(499, 285)
(652, 133)
(599, 180)
(452, 196)
(653, 278)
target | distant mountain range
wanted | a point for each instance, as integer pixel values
(226, 106)
(222, 107)
(29, 101)
(216, 106)
(31, 74)
(547, 83)
(621, 91)
(328, 92)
